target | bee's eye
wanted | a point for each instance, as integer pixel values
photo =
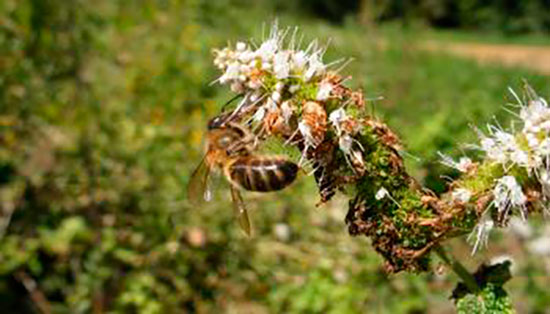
(224, 141)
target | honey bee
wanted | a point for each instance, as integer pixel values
(230, 149)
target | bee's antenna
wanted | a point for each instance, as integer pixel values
(224, 116)
(231, 100)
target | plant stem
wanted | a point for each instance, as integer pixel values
(458, 269)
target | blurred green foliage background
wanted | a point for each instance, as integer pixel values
(103, 107)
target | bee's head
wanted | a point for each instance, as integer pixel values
(221, 120)
(223, 134)
(222, 138)
(218, 122)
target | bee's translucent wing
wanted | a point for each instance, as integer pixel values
(240, 210)
(197, 188)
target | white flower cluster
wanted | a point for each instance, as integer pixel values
(271, 74)
(245, 66)
(504, 148)
(528, 149)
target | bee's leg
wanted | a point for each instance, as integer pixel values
(235, 147)
(252, 140)
(314, 169)
(243, 145)
(240, 211)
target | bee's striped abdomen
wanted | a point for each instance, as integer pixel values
(262, 174)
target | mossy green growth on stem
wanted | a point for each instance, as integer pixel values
(388, 207)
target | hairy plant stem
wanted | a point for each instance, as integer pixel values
(458, 269)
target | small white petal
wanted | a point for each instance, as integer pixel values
(461, 195)
(337, 116)
(255, 96)
(345, 141)
(299, 60)
(382, 193)
(286, 110)
(464, 163)
(276, 96)
(281, 66)
(305, 130)
(259, 115)
(293, 89)
(267, 49)
(241, 46)
(315, 67)
(519, 157)
(271, 105)
(324, 91)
